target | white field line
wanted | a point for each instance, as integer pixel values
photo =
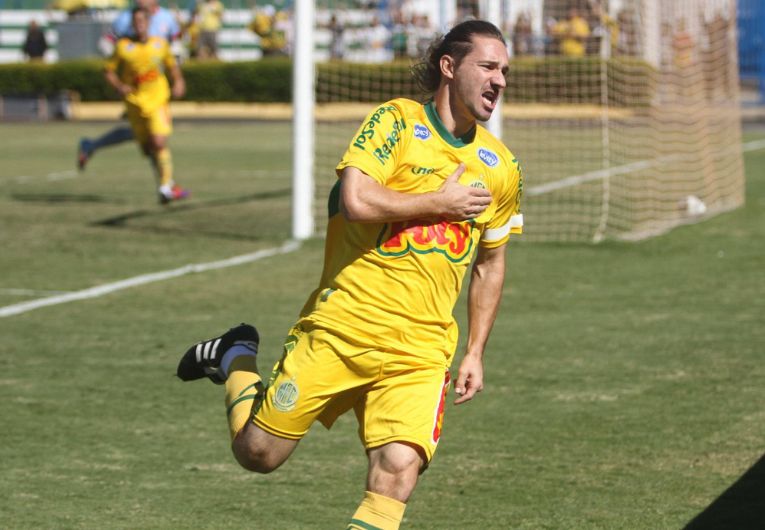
(599, 174)
(101, 290)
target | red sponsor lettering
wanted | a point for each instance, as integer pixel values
(451, 238)
(439, 419)
(151, 75)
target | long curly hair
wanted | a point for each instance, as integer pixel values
(457, 43)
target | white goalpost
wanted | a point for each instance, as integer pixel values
(303, 189)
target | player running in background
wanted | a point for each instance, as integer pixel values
(161, 24)
(134, 70)
(422, 190)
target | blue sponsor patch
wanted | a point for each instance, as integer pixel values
(488, 158)
(421, 132)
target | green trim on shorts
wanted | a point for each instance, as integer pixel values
(358, 523)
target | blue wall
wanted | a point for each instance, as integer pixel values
(751, 42)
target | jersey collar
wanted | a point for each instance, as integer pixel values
(449, 138)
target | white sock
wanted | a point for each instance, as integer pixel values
(239, 348)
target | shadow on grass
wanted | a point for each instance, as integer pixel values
(122, 220)
(740, 507)
(62, 197)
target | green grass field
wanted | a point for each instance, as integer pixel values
(624, 382)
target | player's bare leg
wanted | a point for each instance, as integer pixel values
(392, 476)
(393, 470)
(162, 161)
(260, 451)
(87, 147)
(231, 360)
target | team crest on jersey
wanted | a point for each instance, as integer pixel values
(488, 157)
(452, 239)
(421, 132)
(286, 396)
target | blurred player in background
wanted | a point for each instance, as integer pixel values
(422, 190)
(134, 71)
(162, 23)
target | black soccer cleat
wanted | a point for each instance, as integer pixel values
(203, 359)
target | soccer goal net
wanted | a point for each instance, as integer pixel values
(624, 114)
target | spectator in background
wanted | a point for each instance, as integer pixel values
(377, 39)
(337, 44)
(571, 34)
(628, 41)
(209, 17)
(419, 35)
(162, 23)
(682, 47)
(399, 35)
(549, 42)
(425, 33)
(273, 27)
(603, 27)
(686, 73)
(716, 56)
(523, 39)
(35, 44)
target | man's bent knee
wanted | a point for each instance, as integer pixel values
(393, 470)
(259, 451)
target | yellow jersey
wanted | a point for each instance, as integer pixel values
(210, 15)
(393, 286)
(142, 65)
(572, 33)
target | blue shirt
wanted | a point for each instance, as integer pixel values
(161, 24)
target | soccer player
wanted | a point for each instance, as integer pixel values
(422, 190)
(134, 71)
(161, 24)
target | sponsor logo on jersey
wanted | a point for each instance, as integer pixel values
(478, 184)
(423, 170)
(384, 152)
(286, 396)
(488, 157)
(151, 75)
(421, 132)
(368, 130)
(451, 239)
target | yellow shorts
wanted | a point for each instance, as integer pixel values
(396, 398)
(145, 124)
